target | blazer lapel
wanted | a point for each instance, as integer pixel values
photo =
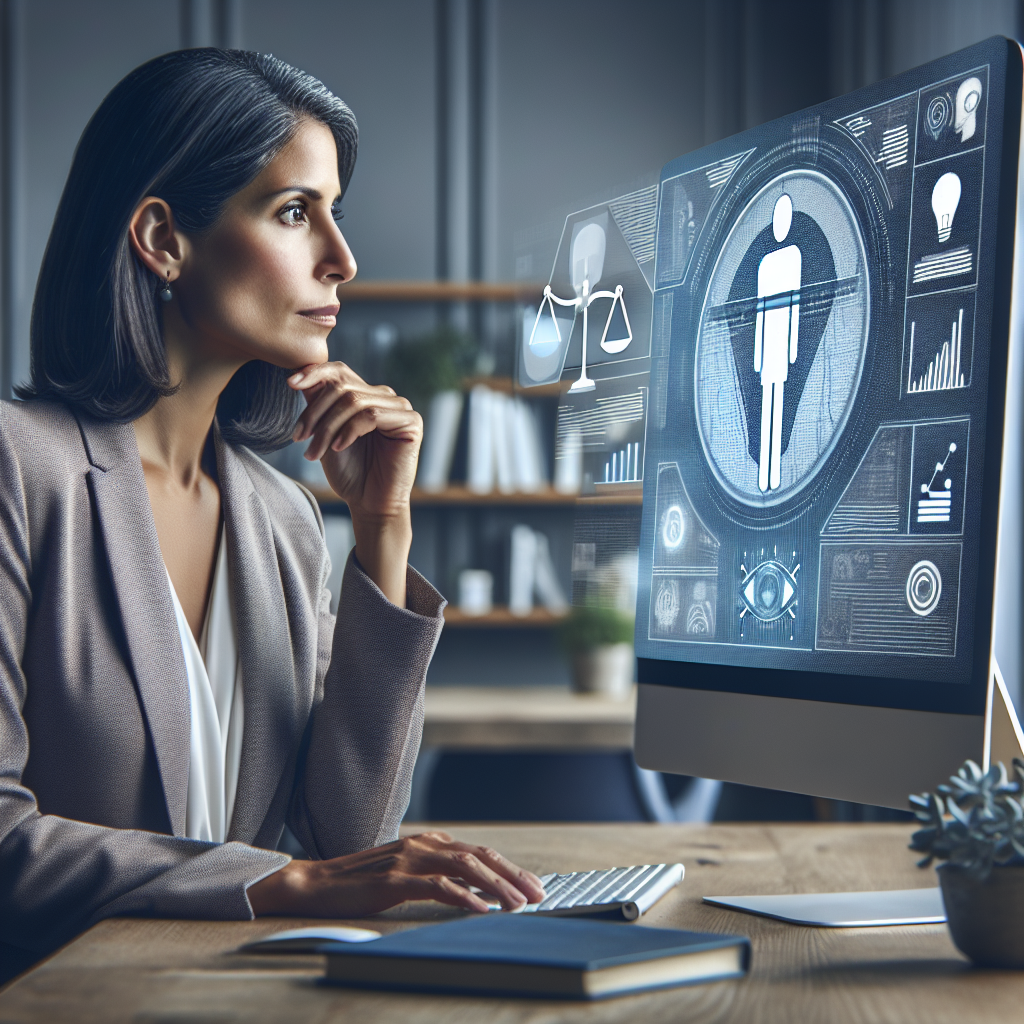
(140, 582)
(276, 705)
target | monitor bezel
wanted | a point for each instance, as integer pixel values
(999, 221)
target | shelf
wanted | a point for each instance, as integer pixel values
(526, 718)
(439, 291)
(511, 387)
(500, 618)
(460, 495)
(611, 499)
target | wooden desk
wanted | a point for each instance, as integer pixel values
(175, 972)
(525, 718)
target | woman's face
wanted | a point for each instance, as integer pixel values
(262, 282)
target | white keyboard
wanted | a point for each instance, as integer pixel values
(627, 891)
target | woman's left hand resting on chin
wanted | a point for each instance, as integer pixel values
(368, 441)
(429, 866)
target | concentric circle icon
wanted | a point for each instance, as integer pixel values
(673, 528)
(938, 115)
(924, 588)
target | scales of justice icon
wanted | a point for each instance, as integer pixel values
(586, 258)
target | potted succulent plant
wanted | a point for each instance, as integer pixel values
(975, 825)
(599, 643)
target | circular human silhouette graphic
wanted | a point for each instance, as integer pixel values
(782, 339)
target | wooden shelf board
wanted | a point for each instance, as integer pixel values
(501, 618)
(439, 291)
(525, 718)
(611, 499)
(459, 494)
(509, 386)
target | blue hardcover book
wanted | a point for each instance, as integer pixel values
(562, 958)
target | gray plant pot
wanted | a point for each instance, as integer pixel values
(606, 669)
(986, 918)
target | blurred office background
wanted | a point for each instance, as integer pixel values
(483, 123)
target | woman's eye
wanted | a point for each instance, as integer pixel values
(337, 213)
(293, 214)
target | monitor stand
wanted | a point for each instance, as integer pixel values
(1003, 742)
(843, 909)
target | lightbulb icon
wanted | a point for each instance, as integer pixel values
(945, 199)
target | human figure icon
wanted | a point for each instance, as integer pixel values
(776, 335)
(968, 96)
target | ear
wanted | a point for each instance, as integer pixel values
(153, 237)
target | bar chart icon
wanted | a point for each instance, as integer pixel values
(623, 466)
(938, 342)
(945, 371)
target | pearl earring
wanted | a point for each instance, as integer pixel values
(165, 292)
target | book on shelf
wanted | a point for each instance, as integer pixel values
(480, 456)
(505, 450)
(528, 450)
(545, 582)
(515, 955)
(532, 573)
(522, 570)
(568, 471)
(439, 437)
(503, 436)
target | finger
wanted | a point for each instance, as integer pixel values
(444, 890)
(467, 866)
(440, 836)
(338, 430)
(328, 394)
(316, 373)
(324, 395)
(525, 881)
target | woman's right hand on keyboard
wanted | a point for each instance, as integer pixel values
(429, 866)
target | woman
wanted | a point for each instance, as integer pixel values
(173, 688)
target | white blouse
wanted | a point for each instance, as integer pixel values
(217, 716)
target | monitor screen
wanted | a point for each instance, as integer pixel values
(826, 398)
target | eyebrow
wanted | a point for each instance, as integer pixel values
(310, 193)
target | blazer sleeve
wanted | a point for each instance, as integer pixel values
(354, 786)
(59, 876)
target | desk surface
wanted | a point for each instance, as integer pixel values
(525, 718)
(159, 972)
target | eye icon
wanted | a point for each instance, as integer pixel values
(769, 591)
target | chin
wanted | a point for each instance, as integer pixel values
(302, 353)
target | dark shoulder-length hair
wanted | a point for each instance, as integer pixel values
(192, 127)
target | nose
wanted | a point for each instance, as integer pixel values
(338, 265)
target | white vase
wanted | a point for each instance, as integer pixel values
(606, 669)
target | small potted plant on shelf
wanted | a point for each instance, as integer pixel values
(975, 825)
(599, 643)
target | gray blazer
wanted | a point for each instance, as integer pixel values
(94, 704)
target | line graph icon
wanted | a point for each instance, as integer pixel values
(937, 503)
(938, 477)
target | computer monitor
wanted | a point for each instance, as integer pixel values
(830, 556)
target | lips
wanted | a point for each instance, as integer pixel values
(322, 315)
